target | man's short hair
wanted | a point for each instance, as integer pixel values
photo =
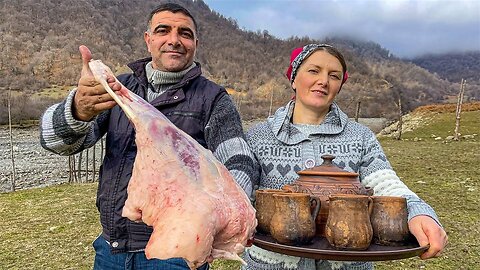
(174, 8)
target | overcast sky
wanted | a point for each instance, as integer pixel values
(406, 28)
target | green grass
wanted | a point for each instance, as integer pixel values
(443, 125)
(446, 174)
(48, 228)
(54, 92)
(52, 228)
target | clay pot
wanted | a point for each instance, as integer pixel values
(390, 220)
(293, 222)
(325, 180)
(265, 207)
(348, 225)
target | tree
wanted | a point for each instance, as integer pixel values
(396, 92)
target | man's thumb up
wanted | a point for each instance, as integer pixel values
(86, 57)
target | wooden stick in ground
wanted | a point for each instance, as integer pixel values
(86, 166)
(357, 111)
(73, 170)
(102, 148)
(459, 109)
(70, 170)
(400, 120)
(11, 138)
(94, 163)
(458, 99)
(79, 167)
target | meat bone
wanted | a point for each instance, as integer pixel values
(197, 210)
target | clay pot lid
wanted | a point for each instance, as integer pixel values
(328, 168)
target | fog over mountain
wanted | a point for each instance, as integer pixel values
(40, 40)
(408, 29)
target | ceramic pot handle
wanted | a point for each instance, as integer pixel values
(317, 205)
(370, 206)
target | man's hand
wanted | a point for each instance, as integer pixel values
(427, 231)
(90, 98)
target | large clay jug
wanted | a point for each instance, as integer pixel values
(348, 225)
(293, 222)
(325, 180)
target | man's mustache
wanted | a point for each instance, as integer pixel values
(174, 50)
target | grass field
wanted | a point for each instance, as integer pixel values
(52, 228)
(55, 92)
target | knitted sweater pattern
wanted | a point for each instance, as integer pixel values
(282, 149)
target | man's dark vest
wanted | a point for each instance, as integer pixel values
(188, 105)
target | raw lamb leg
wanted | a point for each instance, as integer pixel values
(197, 210)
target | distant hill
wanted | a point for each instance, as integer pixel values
(40, 40)
(453, 66)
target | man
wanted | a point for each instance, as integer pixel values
(171, 81)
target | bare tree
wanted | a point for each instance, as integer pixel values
(395, 89)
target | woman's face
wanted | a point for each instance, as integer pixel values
(318, 81)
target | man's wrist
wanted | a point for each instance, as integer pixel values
(77, 125)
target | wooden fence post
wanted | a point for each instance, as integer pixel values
(102, 147)
(94, 163)
(80, 170)
(11, 138)
(400, 120)
(73, 169)
(458, 111)
(79, 167)
(86, 167)
(357, 112)
(70, 170)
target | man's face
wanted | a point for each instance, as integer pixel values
(171, 41)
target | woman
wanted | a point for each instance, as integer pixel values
(312, 125)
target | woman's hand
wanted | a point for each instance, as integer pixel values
(427, 231)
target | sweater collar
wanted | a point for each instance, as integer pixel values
(158, 78)
(139, 69)
(281, 124)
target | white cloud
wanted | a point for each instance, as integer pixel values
(405, 27)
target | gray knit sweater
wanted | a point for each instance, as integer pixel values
(282, 149)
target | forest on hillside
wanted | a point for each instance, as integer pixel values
(453, 66)
(40, 40)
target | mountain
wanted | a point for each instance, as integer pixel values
(40, 40)
(452, 66)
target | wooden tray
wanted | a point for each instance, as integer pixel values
(320, 249)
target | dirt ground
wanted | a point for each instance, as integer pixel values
(34, 166)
